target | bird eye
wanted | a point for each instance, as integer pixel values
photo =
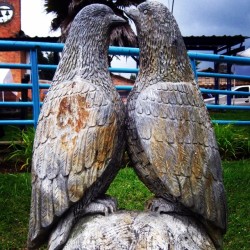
(102, 13)
(145, 12)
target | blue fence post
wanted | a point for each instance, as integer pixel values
(229, 84)
(35, 85)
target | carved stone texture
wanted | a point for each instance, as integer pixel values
(79, 141)
(171, 140)
(138, 230)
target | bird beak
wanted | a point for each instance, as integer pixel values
(117, 20)
(132, 12)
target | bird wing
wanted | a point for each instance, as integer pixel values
(74, 142)
(178, 140)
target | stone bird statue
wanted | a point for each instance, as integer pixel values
(79, 141)
(171, 141)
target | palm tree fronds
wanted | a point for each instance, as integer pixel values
(66, 10)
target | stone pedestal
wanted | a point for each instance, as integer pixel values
(138, 230)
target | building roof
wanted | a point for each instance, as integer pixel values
(216, 44)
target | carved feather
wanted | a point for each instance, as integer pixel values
(47, 213)
(170, 148)
(60, 197)
(63, 163)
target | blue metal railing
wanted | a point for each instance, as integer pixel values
(33, 47)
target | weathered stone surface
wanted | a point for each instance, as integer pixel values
(170, 137)
(79, 141)
(138, 230)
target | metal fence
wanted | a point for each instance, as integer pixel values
(34, 67)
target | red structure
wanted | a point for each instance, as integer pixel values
(10, 26)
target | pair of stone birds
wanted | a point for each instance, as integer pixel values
(83, 128)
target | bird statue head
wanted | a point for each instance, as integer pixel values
(86, 48)
(95, 18)
(149, 17)
(162, 49)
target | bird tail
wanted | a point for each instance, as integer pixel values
(60, 234)
(215, 234)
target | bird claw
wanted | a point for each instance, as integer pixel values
(160, 205)
(105, 206)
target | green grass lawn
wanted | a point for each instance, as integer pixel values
(15, 190)
(131, 194)
(237, 184)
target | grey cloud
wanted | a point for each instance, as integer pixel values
(213, 17)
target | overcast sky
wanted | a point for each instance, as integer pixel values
(34, 19)
(213, 17)
(195, 17)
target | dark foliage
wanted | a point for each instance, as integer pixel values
(66, 10)
(47, 58)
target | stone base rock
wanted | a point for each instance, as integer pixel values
(138, 230)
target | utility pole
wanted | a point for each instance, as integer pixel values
(172, 7)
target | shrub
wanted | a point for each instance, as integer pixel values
(21, 147)
(233, 143)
